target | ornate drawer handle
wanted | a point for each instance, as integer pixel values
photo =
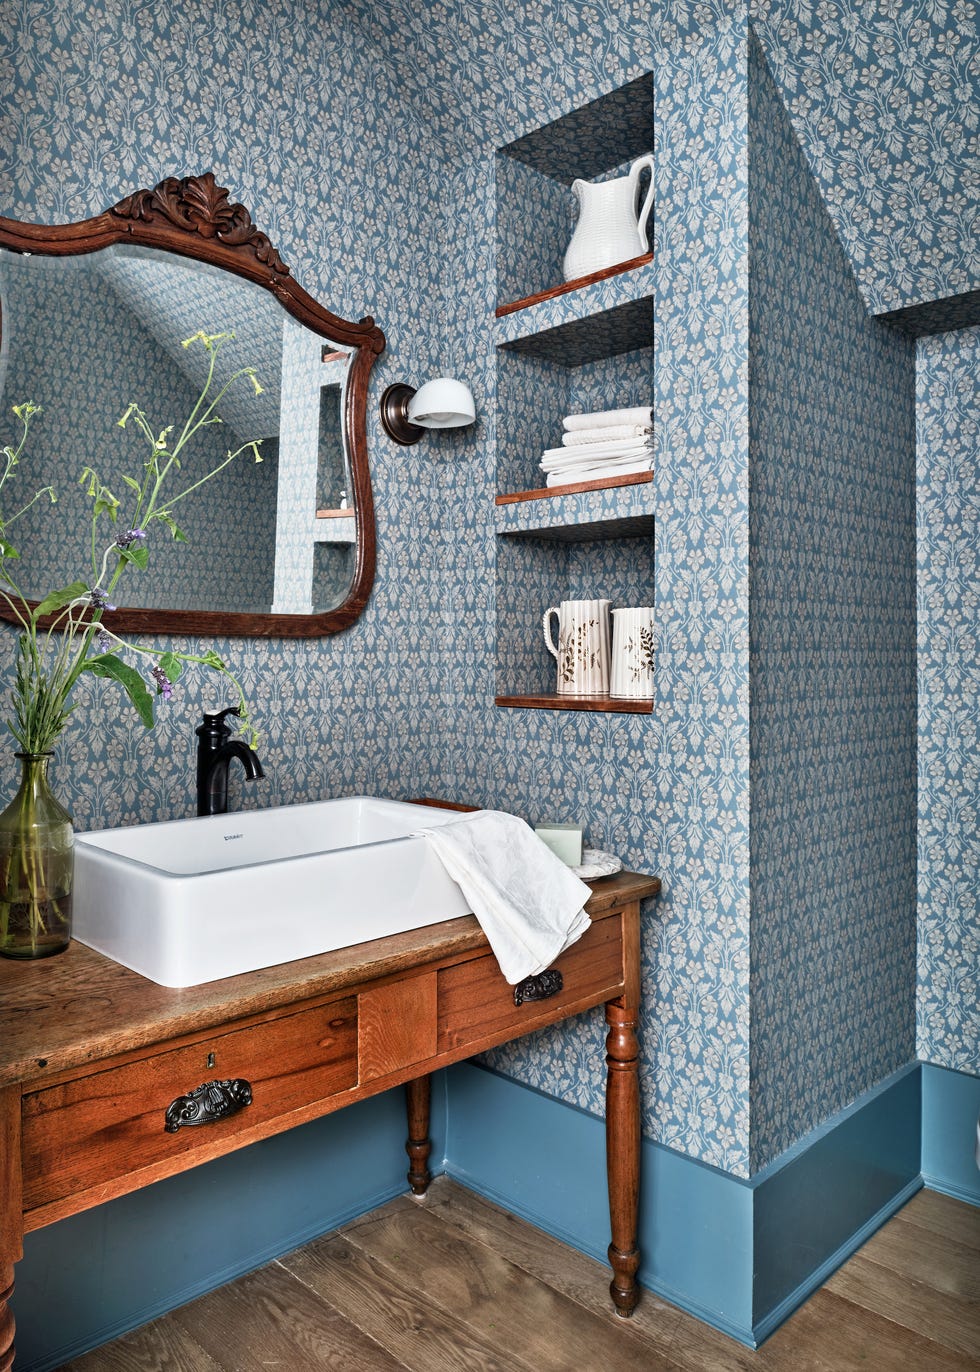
(542, 986)
(215, 1100)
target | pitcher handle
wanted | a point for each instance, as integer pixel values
(645, 161)
(546, 627)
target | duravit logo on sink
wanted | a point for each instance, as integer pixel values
(228, 837)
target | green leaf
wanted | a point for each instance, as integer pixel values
(106, 504)
(108, 665)
(172, 666)
(57, 600)
(7, 549)
(211, 659)
(133, 485)
(138, 554)
(178, 535)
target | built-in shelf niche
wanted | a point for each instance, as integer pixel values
(534, 573)
(564, 348)
(535, 392)
(538, 170)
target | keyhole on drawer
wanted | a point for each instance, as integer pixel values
(210, 1059)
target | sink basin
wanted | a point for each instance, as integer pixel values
(194, 900)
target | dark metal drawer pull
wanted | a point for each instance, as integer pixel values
(215, 1100)
(542, 986)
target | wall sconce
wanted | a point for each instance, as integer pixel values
(406, 413)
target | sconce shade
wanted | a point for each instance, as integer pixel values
(439, 404)
(442, 404)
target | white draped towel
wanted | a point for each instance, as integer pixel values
(529, 904)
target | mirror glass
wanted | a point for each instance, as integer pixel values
(284, 545)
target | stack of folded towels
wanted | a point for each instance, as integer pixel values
(607, 443)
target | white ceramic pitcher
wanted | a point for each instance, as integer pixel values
(609, 229)
(582, 652)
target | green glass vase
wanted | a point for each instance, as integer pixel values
(36, 867)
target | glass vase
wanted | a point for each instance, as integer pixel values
(36, 867)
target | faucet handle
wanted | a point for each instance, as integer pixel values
(214, 730)
(218, 716)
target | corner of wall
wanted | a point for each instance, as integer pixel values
(950, 1116)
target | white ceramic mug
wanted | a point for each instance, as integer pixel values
(632, 653)
(582, 652)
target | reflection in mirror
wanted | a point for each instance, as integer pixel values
(85, 336)
(94, 316)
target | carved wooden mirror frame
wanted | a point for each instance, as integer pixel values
(194, 217)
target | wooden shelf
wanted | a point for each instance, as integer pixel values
(575, 285)
(573, 488)
(609, 705)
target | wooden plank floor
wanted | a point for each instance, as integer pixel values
(458, 1285)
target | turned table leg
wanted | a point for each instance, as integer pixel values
(11, 1217)
(6, 1317)
(623, 1153)
(418, 1147)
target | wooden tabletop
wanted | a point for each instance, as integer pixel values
(79, 1006)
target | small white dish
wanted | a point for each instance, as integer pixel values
(596, 863)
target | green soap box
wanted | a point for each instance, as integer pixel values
(564, 840)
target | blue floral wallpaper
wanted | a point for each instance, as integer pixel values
(832, 476)
(949, 678)
(376, 177)
(885, 99)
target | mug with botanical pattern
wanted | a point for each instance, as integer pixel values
(632, 653)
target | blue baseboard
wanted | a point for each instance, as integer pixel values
(740, 1255)
(950, 1109)
(822, 1199)
(90, 1278)
(545, 1161)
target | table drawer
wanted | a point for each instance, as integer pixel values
(475, 1002)
(85, 1132)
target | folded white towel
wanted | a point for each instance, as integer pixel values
(637, 414)
(580, 471)
(605, 434)
(582, 457)
(529, 904)
(596, 473)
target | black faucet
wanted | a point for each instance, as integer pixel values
(215, 749)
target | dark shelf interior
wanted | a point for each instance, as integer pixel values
(603, 134)
(623, 329)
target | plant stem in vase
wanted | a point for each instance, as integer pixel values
(36, 866)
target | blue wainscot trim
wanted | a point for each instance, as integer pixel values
(88, 1279)
(818, 1202)
(950, 1109)
(703, 1232)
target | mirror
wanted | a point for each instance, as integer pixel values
(94, 315)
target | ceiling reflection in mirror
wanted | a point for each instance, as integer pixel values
(86, 336)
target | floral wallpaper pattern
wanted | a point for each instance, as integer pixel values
(675, 801)
(885, 99)
(833, 658)
(375, 177)
(949, 691)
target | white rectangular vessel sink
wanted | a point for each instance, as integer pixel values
(193, 900)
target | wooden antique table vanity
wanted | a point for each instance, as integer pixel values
(109, 1082)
